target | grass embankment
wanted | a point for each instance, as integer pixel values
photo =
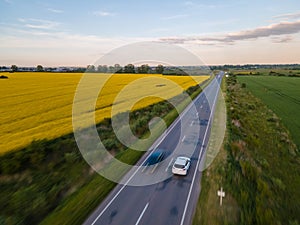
(258, 167)
(34, 106)
(48, 182)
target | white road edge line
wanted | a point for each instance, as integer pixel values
(145, 167)
(154, 168)
(164, 135)
(169, 165)
(182, 140)
(194, 176)
(140, 217)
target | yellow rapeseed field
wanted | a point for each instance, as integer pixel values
(39, 105)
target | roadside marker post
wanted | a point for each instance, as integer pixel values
(221, 193)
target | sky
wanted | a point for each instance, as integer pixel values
(77, 33)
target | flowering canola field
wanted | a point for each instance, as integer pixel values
(39, 105)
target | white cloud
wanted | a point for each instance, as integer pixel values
(44, 41)
(272, 30)
(27, 47)
(284, 39)
(199, 5)
(103, 13)
(288, 16)
(55, 10)
(158, 30)
(39, 24)
(39, 38)
(282, 28)
(179, 16)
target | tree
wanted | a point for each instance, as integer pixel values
(39, 68)
(14, 68)
(90, 69)
(102, 69)
(159, 69)
(143, 68)
(118, 68)
(129, 68)
(111, 69)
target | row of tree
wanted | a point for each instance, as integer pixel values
(117, 68)
(129, 68)
(15, 68)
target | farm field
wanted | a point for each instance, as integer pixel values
(258, 166)
(280, 94)
(35, 106)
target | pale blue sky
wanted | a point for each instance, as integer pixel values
(76, 32)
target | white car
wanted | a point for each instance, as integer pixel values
(181, 165)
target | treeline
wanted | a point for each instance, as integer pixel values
(285, 73)
(146, 69)
(129, 68)
(277, 72)
(256, 66)
(117, 68)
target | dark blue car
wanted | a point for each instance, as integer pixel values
(156, 157)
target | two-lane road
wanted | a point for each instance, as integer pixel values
(173, 199)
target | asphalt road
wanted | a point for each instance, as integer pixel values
(173, 199)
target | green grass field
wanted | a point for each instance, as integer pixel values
(280, 94)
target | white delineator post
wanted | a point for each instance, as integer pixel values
(221, 193)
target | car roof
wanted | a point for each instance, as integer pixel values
(160, 150)
(156, 154)
(181, 160)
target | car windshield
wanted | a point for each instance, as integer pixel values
(179, 166)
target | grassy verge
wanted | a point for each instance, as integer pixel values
(208, 210)
(258, 167)
(48, 182)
